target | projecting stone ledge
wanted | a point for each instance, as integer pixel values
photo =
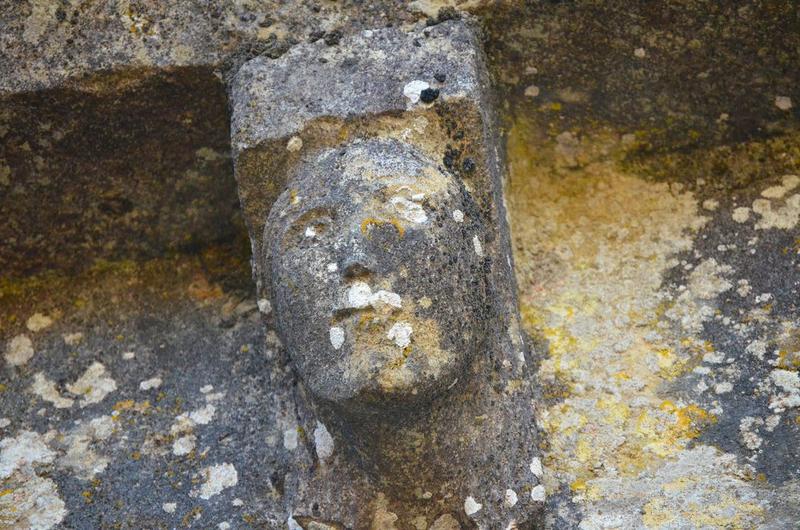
(372, 189)
(318, 95)
(373, 72)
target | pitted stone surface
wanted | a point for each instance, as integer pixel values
(371, 72)
(697, 132)
(47, 44)
(374, 205)
(380, 212)
(278, 114)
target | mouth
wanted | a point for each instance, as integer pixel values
(360, 299)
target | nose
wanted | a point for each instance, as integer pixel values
(356, 261)
(354, 268)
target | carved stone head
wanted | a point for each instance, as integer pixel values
(377, 276)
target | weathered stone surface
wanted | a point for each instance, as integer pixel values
(114, 125)
(366, 75)
(628, 101)
(640, 148)
(365, 236)
(387, 261)
(122, 166)
(47, 44)
(186, 425)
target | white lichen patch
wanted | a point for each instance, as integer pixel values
(409, 210)
(510, 498)
(26, 449)
(538, 493)
(169, 507)
(336, 336)
(212, 397)
(73, 339)
(148, 384)
(80, 446)
(477, 246)
(458, 216)
(471, 506)
(723, 387)
(789, 383)
(38, 322)
(360, 295)
(184, 445)
(748, 429)
(696, 302)
(93, 386)
(788, 183)
(47, 391)
(294, 144)
(385, 298)
(264, 306)
(184, 424)
(217, 479)
(783, 102)
(743, 287)
(741, 214)
(290, 439)
(27, 500)
(702, 488)
(773, 214)
(400, 333)
(19, 350)
(323, 442)
(536, 467)
(204, 415)
(30, 502)
(413, 89)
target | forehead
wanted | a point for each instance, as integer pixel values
(353, 191)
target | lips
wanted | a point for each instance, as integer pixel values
(359, 297)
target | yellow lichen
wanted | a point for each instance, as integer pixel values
(593, 246)
(372, 221)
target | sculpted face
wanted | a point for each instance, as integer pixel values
(377, 277)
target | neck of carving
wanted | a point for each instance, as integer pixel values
(428, 448)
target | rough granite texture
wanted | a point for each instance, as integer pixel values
(653, 197)
(114, 118)
(403, 180)
(643, 138)
(136, 171)
(61, 43)
(272, 100)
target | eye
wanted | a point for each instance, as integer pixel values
(317, 227)
(308, 227)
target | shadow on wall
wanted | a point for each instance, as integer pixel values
(123, 165)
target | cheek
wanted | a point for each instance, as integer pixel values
(308, 266)
(307, 285)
